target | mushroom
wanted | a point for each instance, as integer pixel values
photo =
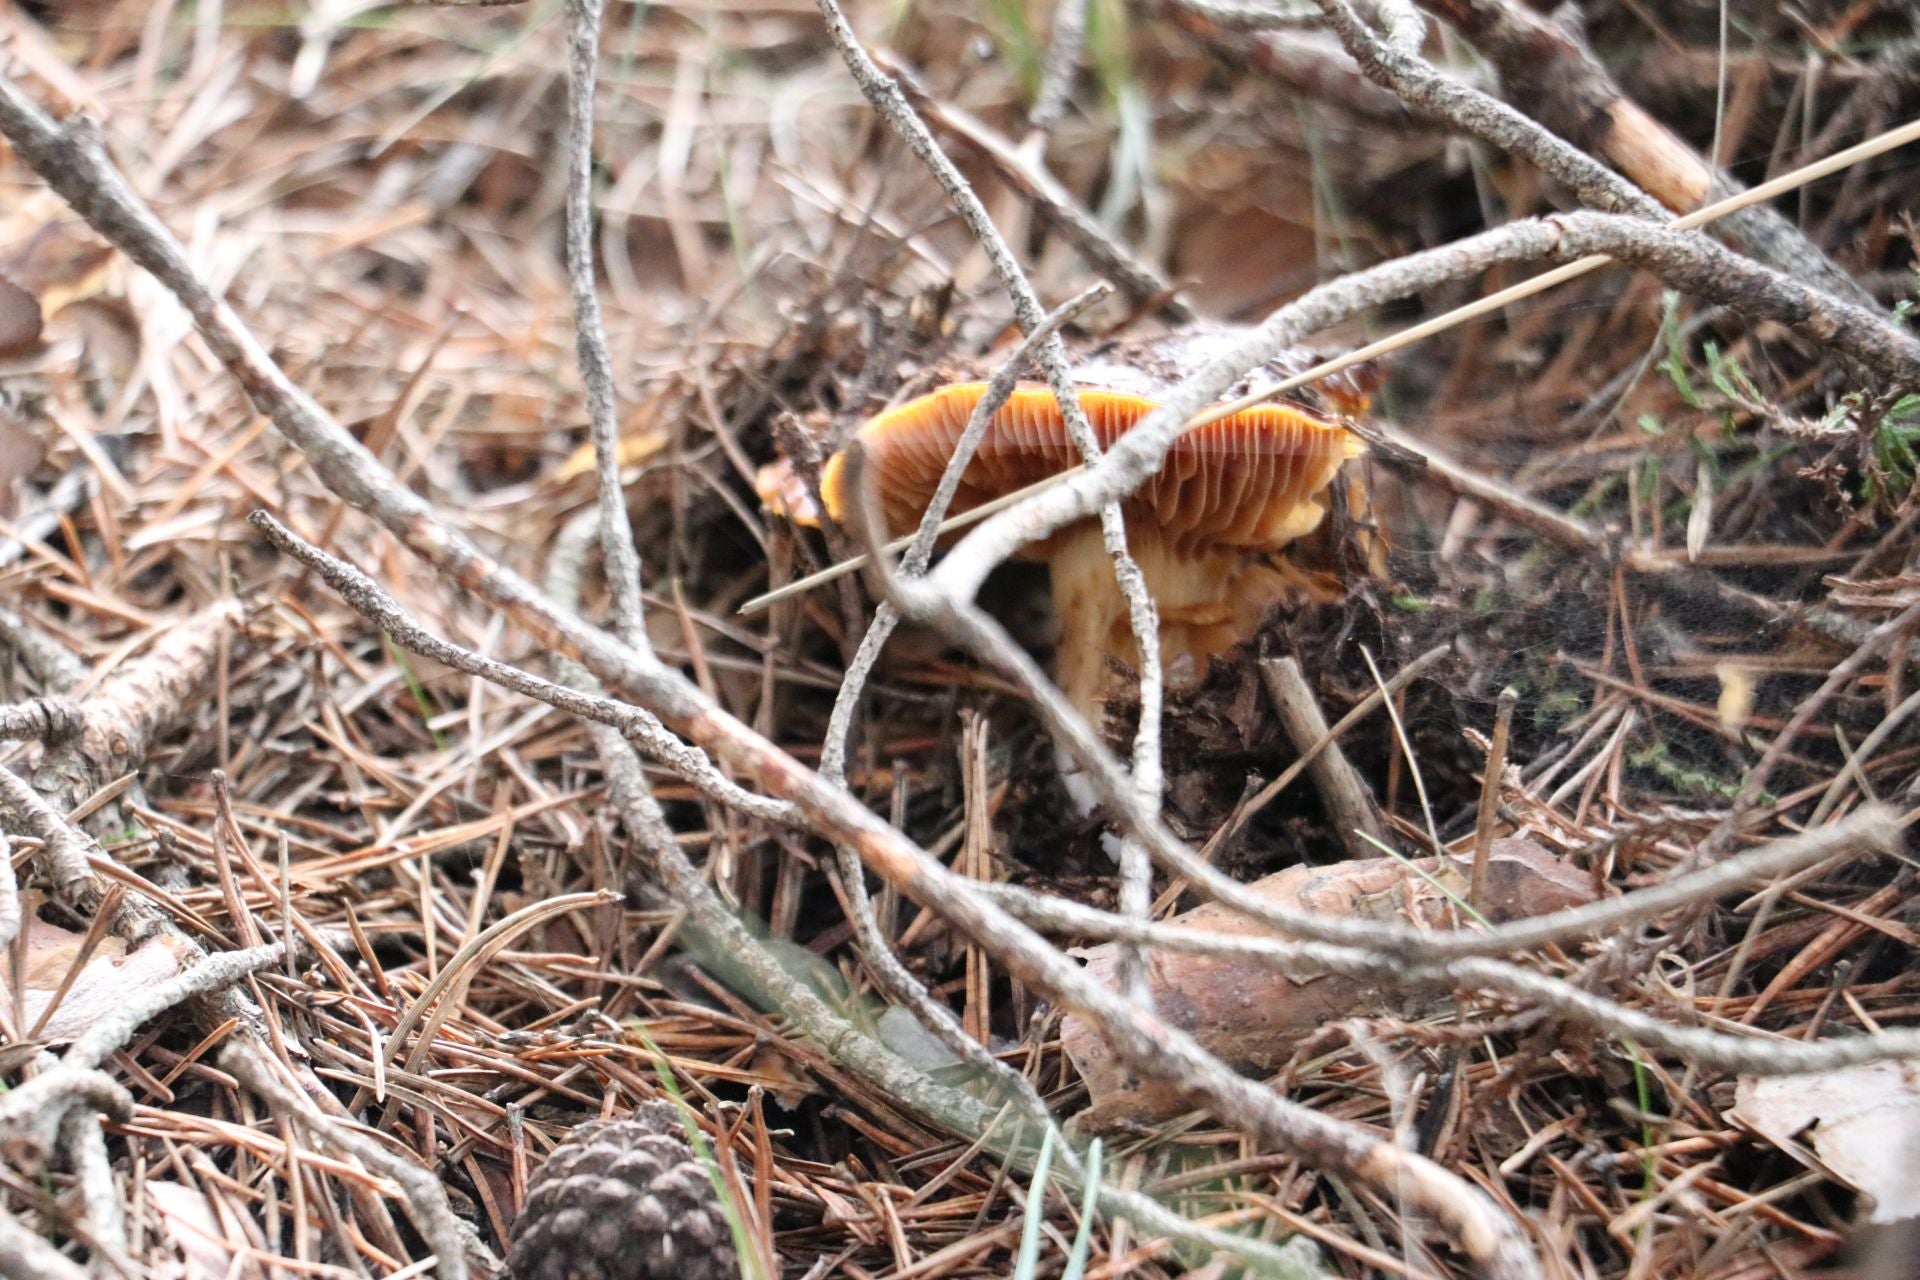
(1204, 529)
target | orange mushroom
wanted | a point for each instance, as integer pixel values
(1204, 529)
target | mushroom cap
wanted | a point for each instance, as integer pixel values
(1248, 481)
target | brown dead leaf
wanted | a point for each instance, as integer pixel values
(60, 263)
(109, 978)
(1860, 1126)
(109, 335)
(20, 318)
(1253, 1016)
(22, 450)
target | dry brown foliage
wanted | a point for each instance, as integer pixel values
(1685, 535)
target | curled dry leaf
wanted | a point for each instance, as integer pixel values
(1254, 1016)
(1860, 1126)
(104, 984)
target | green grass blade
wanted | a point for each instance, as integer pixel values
(1029, 1256)
(1083, 1238)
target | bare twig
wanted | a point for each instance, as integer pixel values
(1308, 755)
(1028, 175)
(64, 848)
(214, 973)
(1061, 65)
(43, 719)
(134, 704)
(634, 723)
(449, 1238)
(1439, 96)
(1741, 1053)
(1552, 77)
(85, 1144)
(724, 944)
(30, 1114)
(1254, 15)
(57, 670)
(1874, 829)
(1287, 46)
(1349, 807)
(885, 97)
(29, 1257)
(1490, 796)
(621, 559)
(1155, 1049)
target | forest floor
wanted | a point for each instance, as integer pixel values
(339, 903)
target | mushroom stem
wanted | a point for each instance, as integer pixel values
(1091, 608)
(1208, 602)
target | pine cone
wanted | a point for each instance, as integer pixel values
(623, 1200)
